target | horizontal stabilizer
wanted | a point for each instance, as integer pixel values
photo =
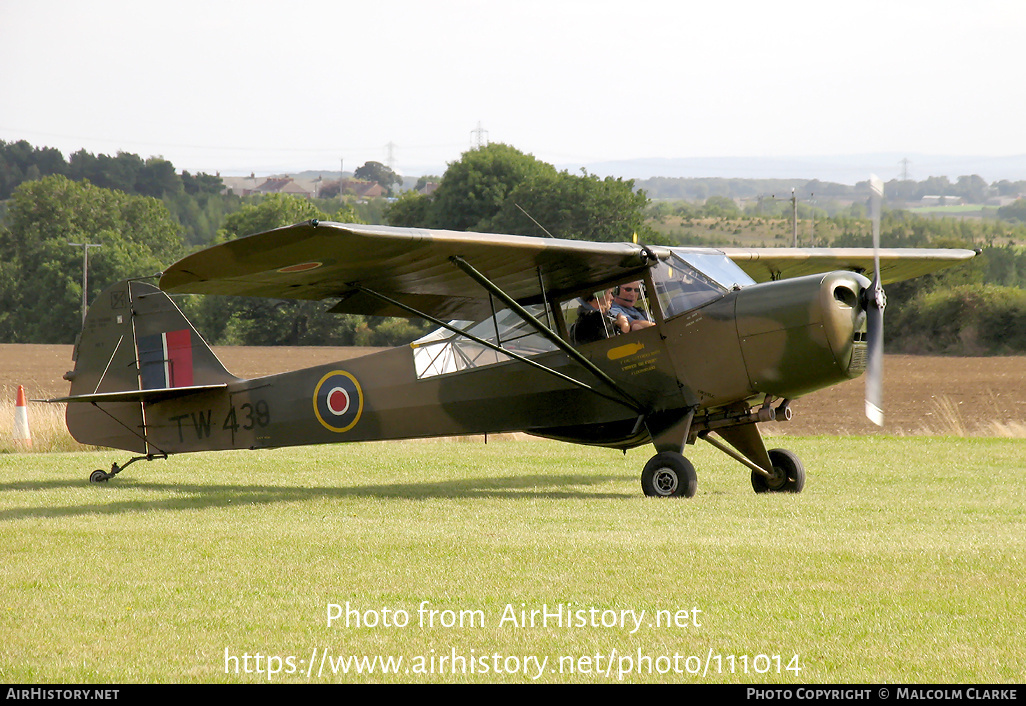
(147, 396)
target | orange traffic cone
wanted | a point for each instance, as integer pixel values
(22, 435)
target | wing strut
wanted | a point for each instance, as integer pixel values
(498, 348)
(545, 331)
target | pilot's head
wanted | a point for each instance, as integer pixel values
(627, 294)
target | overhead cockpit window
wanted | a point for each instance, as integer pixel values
(689, 280)
(718, 267)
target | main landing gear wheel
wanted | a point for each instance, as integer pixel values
(788, 474)
(669, 475)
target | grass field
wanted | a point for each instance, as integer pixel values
(903, 561)
(977, 210)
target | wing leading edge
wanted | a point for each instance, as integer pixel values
(415, 267)
(896, 264)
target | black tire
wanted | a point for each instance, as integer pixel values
(788, 474)
(98, 477)
(669, 475)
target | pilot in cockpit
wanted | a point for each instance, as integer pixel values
(625, 301)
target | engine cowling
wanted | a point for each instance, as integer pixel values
(803, 334)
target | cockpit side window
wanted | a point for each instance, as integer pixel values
(443, 351)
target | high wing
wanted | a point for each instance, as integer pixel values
(896, 264)
(320, 260)
(415, 267)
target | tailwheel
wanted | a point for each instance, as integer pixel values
(669, 475)
(788, 474)
(101, 476)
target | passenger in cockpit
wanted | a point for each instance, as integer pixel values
(596, 321)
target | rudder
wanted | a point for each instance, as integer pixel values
(134, 339)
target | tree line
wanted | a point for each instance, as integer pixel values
(144, 215)
(41, 273)
(976, 308)
(127, 172)
(972, 189)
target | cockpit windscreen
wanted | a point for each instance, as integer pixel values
(691, 279)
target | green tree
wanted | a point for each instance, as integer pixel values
(20, 161)
(201, 214)
(1009, 188)
(901, 190)
(201, 183)
(157, 178)
(720, 207)
(964, 319)
(426, 179)
(120, 173)
(379, 173)
(41, 276)
(410, 210)
(972, 188)
(494, 188)
(271, 211)
(581, 207)
(1015, 211)
(271, 322)
(256, 321)
(474, 189)
(933, 186)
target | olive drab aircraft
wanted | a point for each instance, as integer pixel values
(736, 335)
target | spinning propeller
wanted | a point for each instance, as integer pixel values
(874, 301)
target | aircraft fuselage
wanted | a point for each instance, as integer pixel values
(782, 339)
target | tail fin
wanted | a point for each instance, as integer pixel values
(136, 346)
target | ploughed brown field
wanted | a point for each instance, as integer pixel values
(922, 394)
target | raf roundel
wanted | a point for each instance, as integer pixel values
(301, 267)
(338, 401)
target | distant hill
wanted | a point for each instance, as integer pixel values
(839, 169)
(843, 169)
(787, 171)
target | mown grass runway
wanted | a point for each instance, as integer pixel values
(903, 561)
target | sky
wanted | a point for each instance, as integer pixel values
(235, 87)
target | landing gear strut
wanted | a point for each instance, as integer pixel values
(102, 476)
(668, 474)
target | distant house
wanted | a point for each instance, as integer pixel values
(255, 186)
(240, 186)
(362, 189)
(941, 200)
(306, 188)
(282, 185)
(1004, 200)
